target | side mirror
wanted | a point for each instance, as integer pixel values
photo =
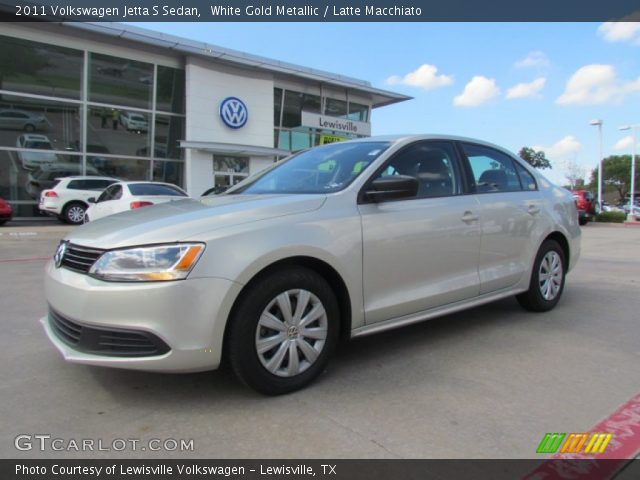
(91, 200)
(392, 187)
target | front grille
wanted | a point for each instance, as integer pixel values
(114, 342)
(79, 258)
(65, 329)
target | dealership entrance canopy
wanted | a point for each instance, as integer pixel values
(115, 100)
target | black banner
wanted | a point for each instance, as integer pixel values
(318, 469)
(319, 10)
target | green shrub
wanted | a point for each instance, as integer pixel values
(611, 217)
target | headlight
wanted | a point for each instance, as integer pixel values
(148, 264)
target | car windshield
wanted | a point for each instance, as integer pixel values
(153, 189)
(325, 169)
(37, 144)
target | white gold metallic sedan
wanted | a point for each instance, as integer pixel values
(339, 241)
(123, 196)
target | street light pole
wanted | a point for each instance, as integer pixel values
(634, 130)
(599, 203)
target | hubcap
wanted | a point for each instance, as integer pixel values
(291, 333)
(550, 275)
(76, 214)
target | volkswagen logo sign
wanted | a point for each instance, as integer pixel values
(59, 255)
(233, 112)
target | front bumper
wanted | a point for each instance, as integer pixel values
(188, 315)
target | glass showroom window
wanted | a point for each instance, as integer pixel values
(229, 170)
(277, 106)
(56, 125)
(123, 168)
(169, 131)
(118, 131)
(170, 89)
(358, 112)
(39, 68)
(169, 172)
(120, 81)
(335, 108)
(294, 104)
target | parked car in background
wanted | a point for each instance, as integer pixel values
(31, 160)
(68, 198)
(586, 204)
(134, 121)
(12, 119)
(45, 176)
(6, 211)
(338, 241)
(123, 196)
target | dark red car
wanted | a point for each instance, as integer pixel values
(6, 212)
(586, 203)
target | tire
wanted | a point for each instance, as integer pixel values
(582, 221)
(260, 319)
(2, 222)
(73, 213)
(29, 128)
(544, 294)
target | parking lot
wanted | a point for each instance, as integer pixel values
(485, 383)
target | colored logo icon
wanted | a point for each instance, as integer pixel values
(233, 112)
(593, 443)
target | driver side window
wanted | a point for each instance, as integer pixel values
(112, 192)
(433, 164)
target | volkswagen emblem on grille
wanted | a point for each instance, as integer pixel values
(59, 255)
(233, 112)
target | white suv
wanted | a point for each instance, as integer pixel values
(68, 197)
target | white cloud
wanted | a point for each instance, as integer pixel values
(523, 90)
(425, 76)
(596, 84)
(478, 91)
(625, 143)
(563, 148)
(620, 32)
(533, 59)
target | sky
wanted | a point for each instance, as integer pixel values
(513, 84)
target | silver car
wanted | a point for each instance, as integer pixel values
(338, 241)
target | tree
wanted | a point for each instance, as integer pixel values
(616, 172)
(536, 159)
(574, 174)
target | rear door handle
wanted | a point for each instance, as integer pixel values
(469, 217)
(533, 210)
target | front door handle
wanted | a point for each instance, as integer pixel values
(533, 210)
(469, 217)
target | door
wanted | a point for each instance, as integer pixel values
(510, 207)
(106, 202)
(422, 252)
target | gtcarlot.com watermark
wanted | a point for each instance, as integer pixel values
(44, 442)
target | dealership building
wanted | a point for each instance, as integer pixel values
(114, 100)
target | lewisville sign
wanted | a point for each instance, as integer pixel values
(325, 122)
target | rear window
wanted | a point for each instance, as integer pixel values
(151, 189)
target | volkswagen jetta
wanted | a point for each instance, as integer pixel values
(338, 241)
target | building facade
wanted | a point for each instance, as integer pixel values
(114, 100)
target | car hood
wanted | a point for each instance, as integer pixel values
(186, 219)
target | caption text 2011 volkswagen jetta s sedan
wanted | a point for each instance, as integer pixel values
(338, 241)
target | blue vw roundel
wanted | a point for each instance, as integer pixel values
(233, 112)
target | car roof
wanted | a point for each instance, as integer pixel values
(87, 177)
(407, 138)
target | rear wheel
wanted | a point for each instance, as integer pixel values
(583, 221)
(74, 213)
(284, 331)
(547, 279)
(29, 128)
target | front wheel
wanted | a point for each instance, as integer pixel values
(283, 331)
(547, 279)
